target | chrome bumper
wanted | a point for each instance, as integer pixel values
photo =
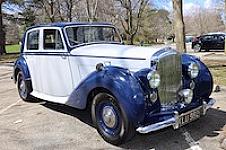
(174, 121)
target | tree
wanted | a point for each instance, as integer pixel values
(48, 7)
(160, 26)
(203, 20)
(28, 14)
(130, 16)
(179, 25)
(69, 6)
(91, 10)
(2, 27)
(2, 32)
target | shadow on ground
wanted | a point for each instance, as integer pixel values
(165, 139)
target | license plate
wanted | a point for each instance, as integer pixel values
(189, 117)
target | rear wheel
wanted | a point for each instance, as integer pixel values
(23, 88)
(110, 121)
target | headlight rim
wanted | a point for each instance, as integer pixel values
(150, 76)
(192, 70)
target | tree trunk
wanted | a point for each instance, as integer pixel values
(2, 33)
(131, 39)
(70, 11)
(179, 25)
(52, 18)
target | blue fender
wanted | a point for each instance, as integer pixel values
(204, 81)
(121, 83)
(21, 65)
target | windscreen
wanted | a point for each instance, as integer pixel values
(92, 34)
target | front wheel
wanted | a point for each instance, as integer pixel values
(23, 89)
(110, 121)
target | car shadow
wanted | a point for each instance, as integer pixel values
(82, 115)
(208, 125)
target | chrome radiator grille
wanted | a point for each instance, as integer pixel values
(170, 70)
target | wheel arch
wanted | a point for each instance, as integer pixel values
(116, 81)
(204, 81)
(21, 65)
(93, 93)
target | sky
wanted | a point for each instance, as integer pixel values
(188, 5)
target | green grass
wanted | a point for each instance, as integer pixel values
(13, 48)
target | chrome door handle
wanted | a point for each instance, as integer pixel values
(63, 56)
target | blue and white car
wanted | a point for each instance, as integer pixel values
(127, 88)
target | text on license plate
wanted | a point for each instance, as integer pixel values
(189, 117)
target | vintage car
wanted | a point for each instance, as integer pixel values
(127, 88)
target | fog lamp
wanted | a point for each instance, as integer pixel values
(153, 97)
(187, 95)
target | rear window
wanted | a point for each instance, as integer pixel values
(33, 40)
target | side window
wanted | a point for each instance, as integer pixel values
(207, 38)
(52, 39)
(33, 40)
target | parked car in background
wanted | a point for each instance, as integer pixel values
(211, 41)
(127, 88)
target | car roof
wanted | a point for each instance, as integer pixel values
(64, 24)
(215, 33)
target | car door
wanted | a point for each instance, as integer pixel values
(214, 42)
(207, 42)
(54, 64)
(220, 42)
(31, 50)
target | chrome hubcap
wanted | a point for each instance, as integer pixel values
(197, 47)
(109, 116)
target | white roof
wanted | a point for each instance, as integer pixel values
(216, 33)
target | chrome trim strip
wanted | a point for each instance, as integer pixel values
(88, 56)
(174, 121)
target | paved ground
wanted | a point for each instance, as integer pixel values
(41, 125)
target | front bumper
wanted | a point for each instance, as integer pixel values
(175, 121)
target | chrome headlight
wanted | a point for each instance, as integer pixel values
(154, 79)
(187, 95)
(193, 70)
